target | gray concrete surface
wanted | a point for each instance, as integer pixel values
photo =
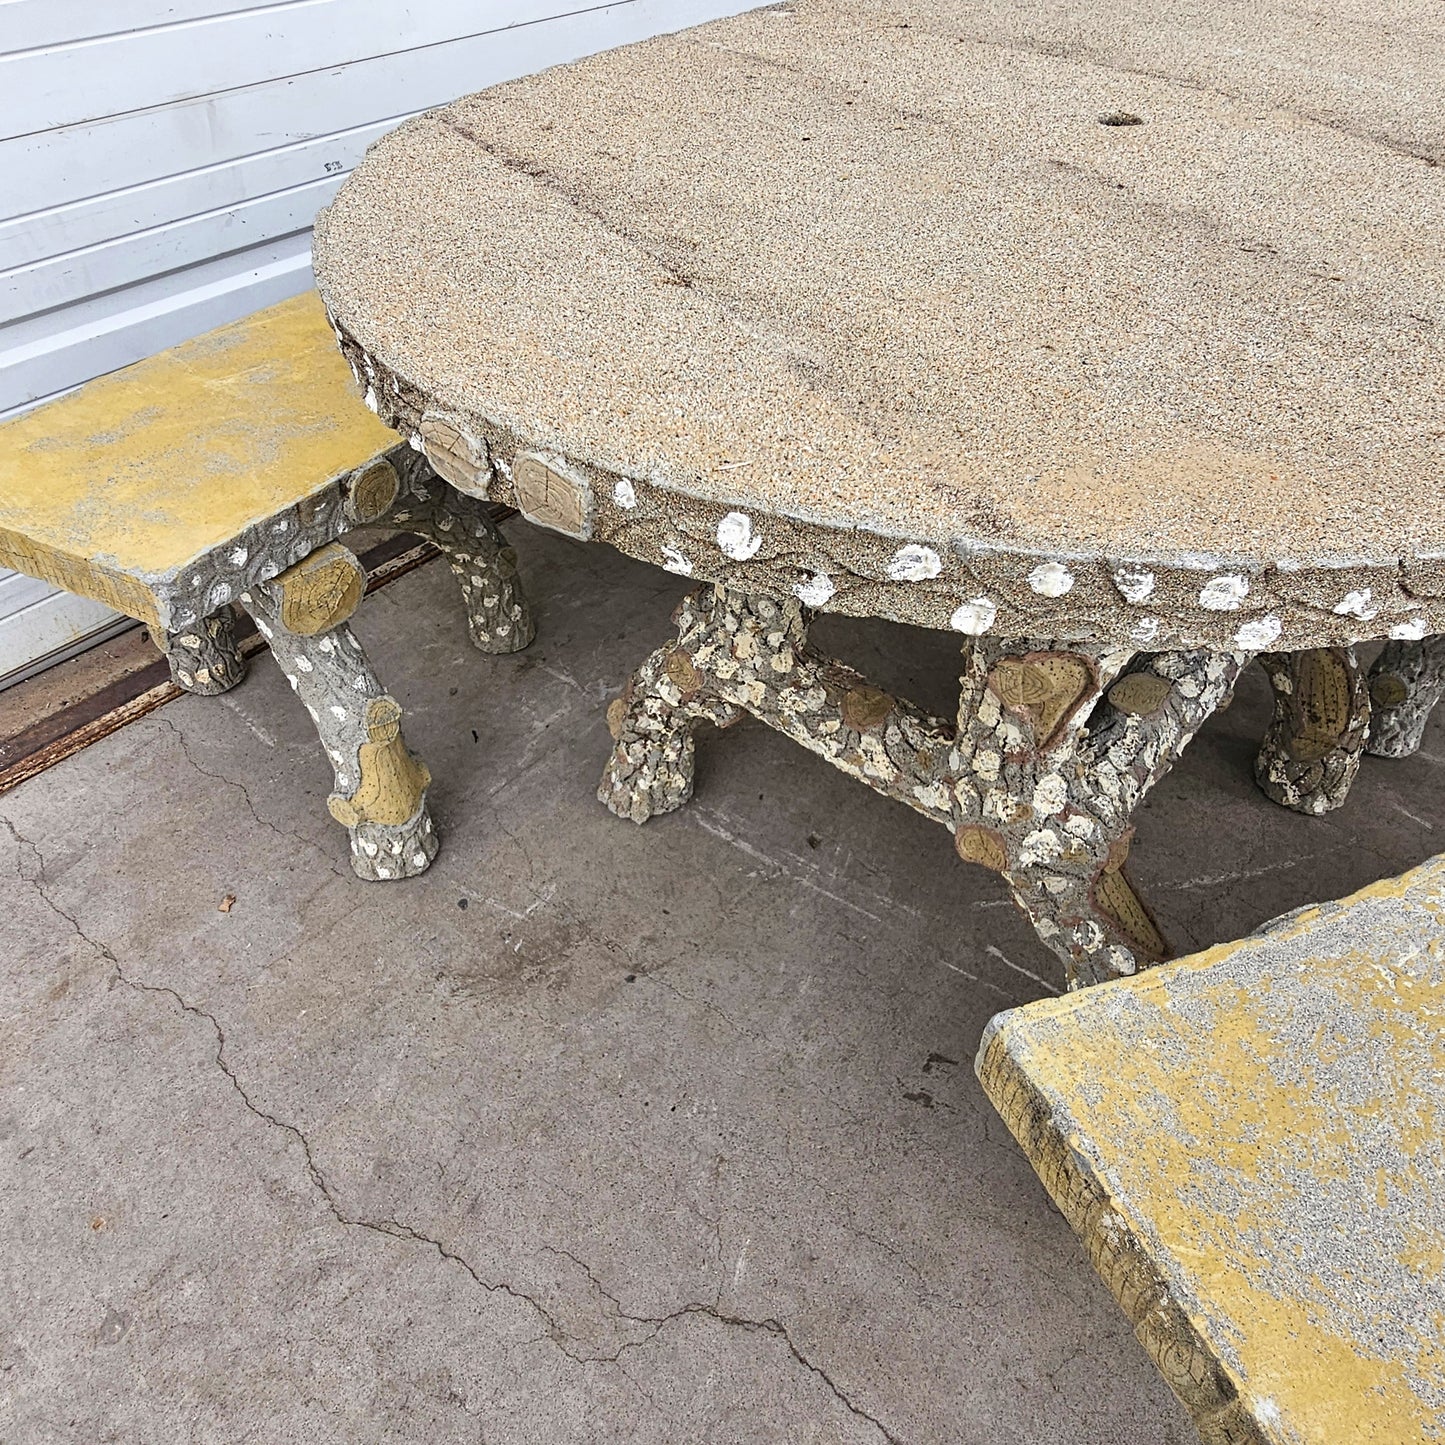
(593, 1133)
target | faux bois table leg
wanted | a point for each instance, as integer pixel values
(1406, 682)
(1312, 751)
(1053, 748)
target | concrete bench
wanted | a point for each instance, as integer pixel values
(222, 474)
(1251, 1144)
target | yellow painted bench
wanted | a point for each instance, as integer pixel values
(1251, 1144)
(221, 474)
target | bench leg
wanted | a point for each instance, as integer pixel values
(1406, 682)
(1311, 753)
(483, 564)
(380, 792)
(204, 658)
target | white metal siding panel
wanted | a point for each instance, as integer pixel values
(161, 162)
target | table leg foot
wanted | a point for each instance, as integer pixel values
(485, 567)
(1058, 746)
(1312, 751)
(655, 720)
(203, 657)
(1406, 682)
(380, 792)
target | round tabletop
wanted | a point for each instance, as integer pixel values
(1069, 321)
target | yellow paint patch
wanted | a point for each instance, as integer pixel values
(140, 472)
(1264, 1123)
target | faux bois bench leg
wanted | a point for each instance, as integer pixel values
(204, 658)
(380, 792)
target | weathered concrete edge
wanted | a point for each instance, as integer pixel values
(958, 583)
(1200, 1378)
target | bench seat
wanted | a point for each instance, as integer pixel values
(221, 474)
(1251, 1144)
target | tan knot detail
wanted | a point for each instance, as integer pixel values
(616, 717)
(320, 592)
(865, 708)
(683, 671)
(457, 455)
(393, 782)
(373, 489)
(1388, 690)
(1046, 688)
(1140, 693)
(977, 844)
(1321, 705)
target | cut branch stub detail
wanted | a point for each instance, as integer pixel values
(372, 492)
(553, 498)
(320, 592)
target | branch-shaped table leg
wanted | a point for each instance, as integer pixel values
(1058, 747)
(1311, 753)
(480, 559)
(737, 654)
(1054, 747)
(656, 718)
(380, 792)
(203, 657)
(1406, 682)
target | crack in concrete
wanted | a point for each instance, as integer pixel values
(241, 788)
(768, 1326)
(398, 1230)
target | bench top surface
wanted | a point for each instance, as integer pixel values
(153, 465)
(1267, 1124)
(884, 268)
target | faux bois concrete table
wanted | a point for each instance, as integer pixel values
(1107, 338)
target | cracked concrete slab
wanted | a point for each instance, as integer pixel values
(592, 1133)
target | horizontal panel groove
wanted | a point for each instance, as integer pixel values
(139, 194)
(42, 25)
(58, 281)
(60, 166)
(62, 86)
(41, 356)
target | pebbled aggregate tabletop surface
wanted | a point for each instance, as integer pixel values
(1085, 320)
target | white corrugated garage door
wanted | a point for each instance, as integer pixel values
(161, 161)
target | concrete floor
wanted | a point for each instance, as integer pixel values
(594, 1133)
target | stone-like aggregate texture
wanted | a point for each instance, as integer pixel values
(1322, 718)
(1051, 754)
(669, 1134)
(1249, 1144)
(1406, 683)
(880, 307)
